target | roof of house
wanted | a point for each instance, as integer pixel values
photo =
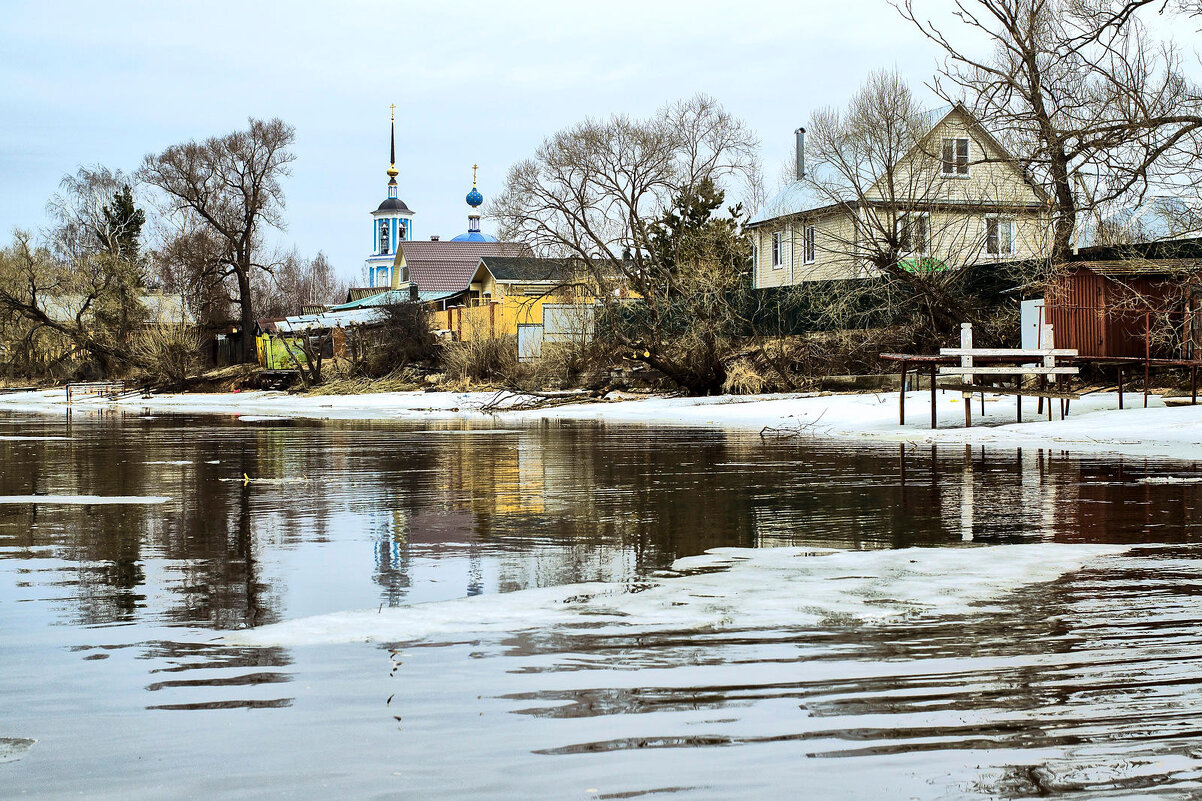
(807, 195)
(527, 269)
(310, 322)
(795, 198)
(1165, 250)
(391, 296)
(1139, 268)
(449, 266)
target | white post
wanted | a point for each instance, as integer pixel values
(966, 361)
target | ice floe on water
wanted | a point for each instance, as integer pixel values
(732, 588)
(1171, 480)
(13, 748)
(83, 500)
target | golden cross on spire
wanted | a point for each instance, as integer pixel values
(393, 108)
(474, 168)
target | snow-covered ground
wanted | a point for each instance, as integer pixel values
(1094, 424)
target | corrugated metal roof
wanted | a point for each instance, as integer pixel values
(315, 322)
(1134, 267)
(391, 296)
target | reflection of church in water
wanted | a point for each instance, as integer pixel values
(392, 224)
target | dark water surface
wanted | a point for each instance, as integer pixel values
(1086, 687)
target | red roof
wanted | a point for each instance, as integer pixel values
(449, 266)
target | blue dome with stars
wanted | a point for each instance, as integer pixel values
(474, 198)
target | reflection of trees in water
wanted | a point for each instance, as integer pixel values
(228, 674)
(595, 502)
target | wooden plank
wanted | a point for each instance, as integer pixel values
(1016, 370)
(1023, 393)
(1015, 352)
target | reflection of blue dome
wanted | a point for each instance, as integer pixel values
(474, 198)
(474, 236)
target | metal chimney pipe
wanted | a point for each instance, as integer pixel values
(800, 169)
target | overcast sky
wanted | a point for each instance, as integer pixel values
(105, 83)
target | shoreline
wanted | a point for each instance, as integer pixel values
(1094, 425)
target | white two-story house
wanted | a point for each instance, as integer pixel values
(955, 198)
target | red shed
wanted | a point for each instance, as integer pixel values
(1127, 308)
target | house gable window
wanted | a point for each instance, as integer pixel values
(914, 234)
(955, 156)
(809, 247)
(778, 255)
(999, 236)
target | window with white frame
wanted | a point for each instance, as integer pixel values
(809, 245)
(778, 245)
(914, 232)
(955, 156)
(999, 236)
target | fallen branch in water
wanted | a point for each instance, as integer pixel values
(796, 431)
(509, 400)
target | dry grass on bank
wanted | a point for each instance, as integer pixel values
(398, 381)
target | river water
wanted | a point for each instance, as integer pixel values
(1044, 639)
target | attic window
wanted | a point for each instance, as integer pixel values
(955, 157)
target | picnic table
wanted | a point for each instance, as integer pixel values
(967, 363)
(108, 389)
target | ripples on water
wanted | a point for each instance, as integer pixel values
(1086, 687)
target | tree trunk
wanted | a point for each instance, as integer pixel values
(245, 344)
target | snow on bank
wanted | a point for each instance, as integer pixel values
(1095, 423)
(726, 588)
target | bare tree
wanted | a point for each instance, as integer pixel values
(601, 193)
(94, 212)
(1097, 109)
(296, 282)
(76, 300)
(230, 187)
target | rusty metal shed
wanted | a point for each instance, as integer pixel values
(1130, 308)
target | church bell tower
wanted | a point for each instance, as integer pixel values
(391, 224)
